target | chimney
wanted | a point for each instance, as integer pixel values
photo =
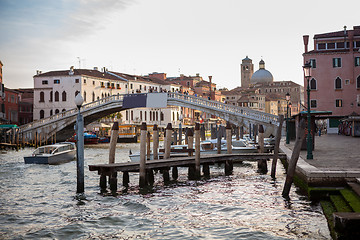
(71, 72)
(96, 68)
(306, 42)
(351, 39)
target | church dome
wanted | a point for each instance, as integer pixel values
(262, 75)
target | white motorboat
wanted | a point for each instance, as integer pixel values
(53, 154)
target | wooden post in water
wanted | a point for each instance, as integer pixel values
(191, 169)
(241, 132)
(218, 143)
(17, 139)
(175, 140)
(113, 141)
(294, 158)
(148, 147)
(276, 146)
(228, 163)
(155, 142)
(126, 179)
(180, 134)
(255, 127)
(186, 136)
(167, 152)
(237, 133)
(102, 183)
(197, 150)
(262, 163)
(36, 140)
(142, 177)
(202, 132)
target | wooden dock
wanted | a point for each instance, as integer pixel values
(165, 165)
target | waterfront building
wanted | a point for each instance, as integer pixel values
(11, 103)
(335, 73)
(2, 95)
(55, 92)
(26, 101)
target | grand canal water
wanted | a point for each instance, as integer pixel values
(38, 202)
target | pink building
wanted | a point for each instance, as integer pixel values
(335, 73)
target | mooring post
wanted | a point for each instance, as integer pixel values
(126, 179)
(102, 183)
(262, 163)
(218, 143)
(148, 147)
(113, 141)
(237, 133)
(228, 163)
(79, 145)
(197, 150)
(155, 142)
(142, 177)
(294, 158)
(180, 134)
(175, 140)
(113, 182)
(255, 127)
(276, 146)
(167, 152)
(190, 141)
(241, 132)
(250, 132)
(191, 169)
(186, 136)
(202, 132)
(17, 139)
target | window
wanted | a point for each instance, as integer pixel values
(93, 96)
(56, 96)
(51, 112)
(313, 63)
(42, 97)
(57, 81)
(45, 82)
(340, 45)
(51, 96)
(84, 81)
(313, 103)
(331, 46)
(84, 96)
(358, 100)
(42, 113)
(140, 115)
(57, 111)
(77, 80)
(321, 46)
(357, 61)
(127, 115)
(145, 115)
(338, 84)
(132, 115)
(336, 62)
(150, 115)
(76, 93)
(347, 81)
(131, 86)
(358, 82)
(63, 110)
(94, 83)
(313, 84)
(63, 96)
(338, 102)
(161, 116)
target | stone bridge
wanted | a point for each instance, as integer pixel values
(63, 123)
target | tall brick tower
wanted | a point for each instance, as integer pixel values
(247, 70)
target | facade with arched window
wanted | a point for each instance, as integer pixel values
(337, 71)
(59, 89)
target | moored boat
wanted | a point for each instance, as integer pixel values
(53, 154)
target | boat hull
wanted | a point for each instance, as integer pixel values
(63, 157)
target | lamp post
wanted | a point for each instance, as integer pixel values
(79, 145)
(307, 75)
(287, 97)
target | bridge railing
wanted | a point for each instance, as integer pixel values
(215, 105)
(70, 112)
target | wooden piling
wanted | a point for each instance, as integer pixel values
(241, 132)
(228, 163)
(126, 179)
(180, 134)
(202, 132)
(262, 163)
(255, 128)
(186, 136)
(197, 150)
(276, 146)
(103, 183)
(237, 132)
(155, 142)
(169, 131)
(113, 141)
(175, 140)
(294, 158)
(190, 137)
(218, 143)
(148, 149)
(17, 139)
(113, 182)
(142, 177)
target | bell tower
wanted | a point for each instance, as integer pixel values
(247, 70)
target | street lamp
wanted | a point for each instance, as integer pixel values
(79, 145)
(307, 75)
(287, 97)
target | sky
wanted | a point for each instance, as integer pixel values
(175, 37)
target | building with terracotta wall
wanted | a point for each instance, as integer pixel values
(26, 100)
(2, 96)
(11, 106)
(335, 72)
